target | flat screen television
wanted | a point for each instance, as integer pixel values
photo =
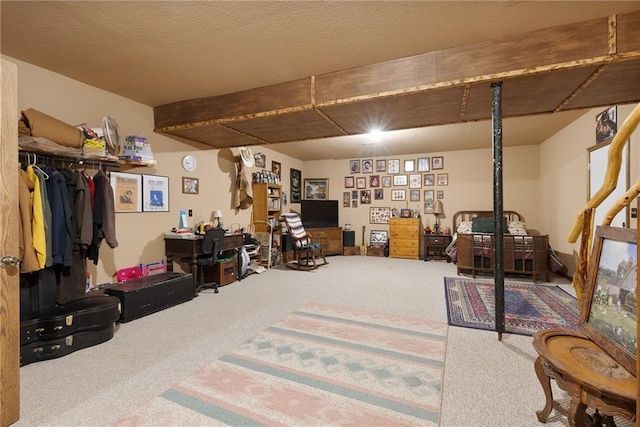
(319, 213)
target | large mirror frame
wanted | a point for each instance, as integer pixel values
(609, 315)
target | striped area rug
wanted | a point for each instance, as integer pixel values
(320, 366)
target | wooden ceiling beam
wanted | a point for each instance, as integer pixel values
(272, 113)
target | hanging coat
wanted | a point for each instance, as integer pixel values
(27, 252)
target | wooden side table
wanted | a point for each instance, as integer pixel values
(435, 244)
(588, 374)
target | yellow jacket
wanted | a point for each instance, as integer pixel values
(37, 224)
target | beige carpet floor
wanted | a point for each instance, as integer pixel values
(486, 382)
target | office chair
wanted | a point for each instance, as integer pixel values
(210, 246)
(305, 251)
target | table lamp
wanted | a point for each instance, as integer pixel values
(438, 209)
(218, 216)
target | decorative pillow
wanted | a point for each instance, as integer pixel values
(517, 227)
(464, 227)
(485, 225)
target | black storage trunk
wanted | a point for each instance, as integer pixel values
(90, 313)
(50, 349)
(146, 295)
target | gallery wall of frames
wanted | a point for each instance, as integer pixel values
(419, 182)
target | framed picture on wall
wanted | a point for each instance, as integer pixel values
(381, 165)
(428, 207)
(398, 195)
(399, 180)
(260, 159)
(428, 195)
(361, 182)
(296, 181)
(437, 162)
(606, 124)
(424, 164)
(190, 185)
(378, 194)
(409, 165)
(346, 199)
(379, 215)
(349, 182)
(443, 179)
(386, 181)
(365, 197)
(275, 168)
(414, 195)
(316, 188)
(354, 166)
(374, 181)
(127, 191)
(367, 166)
(415, 180)
(393, 166)
(155, 193)
(428, 179)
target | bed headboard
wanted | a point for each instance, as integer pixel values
(461, 216)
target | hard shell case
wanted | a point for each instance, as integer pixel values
(50, 349)
(146, 295)
(90, 313)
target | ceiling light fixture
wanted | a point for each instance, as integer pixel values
(373, 137)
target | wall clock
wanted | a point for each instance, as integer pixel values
(189, 163)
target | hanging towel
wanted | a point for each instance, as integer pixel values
(243, 197)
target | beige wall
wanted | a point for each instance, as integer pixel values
(564, 178)
(546, 183)
(140, 235)
(470, 185)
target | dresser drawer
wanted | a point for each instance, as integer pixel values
(437, 240)
(405, 243)
(404, 253)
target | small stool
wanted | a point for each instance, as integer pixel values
(588, 374)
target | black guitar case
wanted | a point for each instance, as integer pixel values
(87, 314)
(50, 349)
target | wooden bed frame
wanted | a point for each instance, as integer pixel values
(475, 250)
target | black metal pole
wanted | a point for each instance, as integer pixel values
(498, 207)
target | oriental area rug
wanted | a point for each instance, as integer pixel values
(528, 307)
(319, 366)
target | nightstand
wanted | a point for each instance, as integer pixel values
(435, 244)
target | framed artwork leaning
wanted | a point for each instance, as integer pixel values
(609, 312)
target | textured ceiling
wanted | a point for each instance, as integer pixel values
(158, 53)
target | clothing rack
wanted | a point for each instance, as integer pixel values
(30, 157)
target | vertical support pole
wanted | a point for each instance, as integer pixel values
(498, 208)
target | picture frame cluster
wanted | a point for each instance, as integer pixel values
(396, 180)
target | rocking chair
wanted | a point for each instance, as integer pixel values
(305, 251)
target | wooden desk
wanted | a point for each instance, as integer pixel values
(175, 244)
(588, 374)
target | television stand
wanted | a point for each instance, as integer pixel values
(329, 237)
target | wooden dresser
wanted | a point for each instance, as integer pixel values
(329, 237)
(404, 237)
